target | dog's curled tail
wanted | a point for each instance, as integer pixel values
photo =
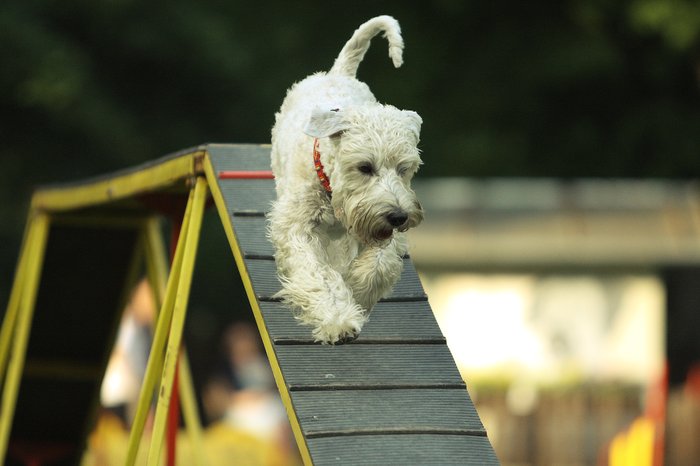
(354, 50)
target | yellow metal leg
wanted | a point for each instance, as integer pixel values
(178, 320)
(8, 323)
(155, 360)
(157, 273)
(30, 272)
(156, 260)
(189, 411)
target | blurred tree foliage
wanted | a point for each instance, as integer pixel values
(505, 88)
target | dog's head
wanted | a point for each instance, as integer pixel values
(371, 157)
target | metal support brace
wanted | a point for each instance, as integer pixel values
(156, 268)
(156, 259)
(18, 319)
(189, 411)
(178, 319)
(170, 322)
(8, 323)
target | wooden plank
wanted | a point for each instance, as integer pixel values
(264, 275)
(243, 196)
(246, 197)
(251, 232)
(390, 321)
(404, 450)
(249, 157)
(353, 412)
(312, 367)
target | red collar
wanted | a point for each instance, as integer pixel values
(325, 181)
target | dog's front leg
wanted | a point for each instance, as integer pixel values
(312, 287)
(376, 270)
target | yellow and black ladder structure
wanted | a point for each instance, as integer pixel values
(392, 396)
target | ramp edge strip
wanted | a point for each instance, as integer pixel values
(374, 386)
(405, 431)
(368, 341)
(268, 344)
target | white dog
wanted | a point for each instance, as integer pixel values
(343, 164)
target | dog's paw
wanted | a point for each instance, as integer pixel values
(347, 339)
(335, 334)
(341, 329)
(324, 336)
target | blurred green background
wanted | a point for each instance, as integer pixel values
(575, 88)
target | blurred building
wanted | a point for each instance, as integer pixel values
(567, 304)
(543, 223)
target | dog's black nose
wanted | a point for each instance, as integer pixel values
(397, 218)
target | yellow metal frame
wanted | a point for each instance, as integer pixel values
(18, 319)
(157, 272)
(170, 294)
(148, 179)
(165, 348)
(16, 326)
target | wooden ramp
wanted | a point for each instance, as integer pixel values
(393, 396)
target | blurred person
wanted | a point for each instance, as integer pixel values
(127, 364)
(242, 392)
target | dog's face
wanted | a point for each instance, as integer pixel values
(374, 158)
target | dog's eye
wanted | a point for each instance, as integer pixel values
(366, 168)
(404, 170)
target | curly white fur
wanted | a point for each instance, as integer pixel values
(338, 254)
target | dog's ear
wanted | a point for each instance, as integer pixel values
(414, 122)
(324, 123)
